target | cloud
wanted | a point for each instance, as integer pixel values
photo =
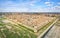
(10, 6)
(52, 8)
(14, 9)
(59, 3)
(48, 9)
(57, 7)
(30, 6)
(49, 3)
(32, 2)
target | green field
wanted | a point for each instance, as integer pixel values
(8, 30)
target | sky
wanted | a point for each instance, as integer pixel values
(29, 5)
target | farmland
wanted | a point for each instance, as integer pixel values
(34, 21)
(24, 25)
(9, 30)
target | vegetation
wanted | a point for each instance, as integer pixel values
(10, 30)
(14, 31)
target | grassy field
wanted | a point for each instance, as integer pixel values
(8, 30)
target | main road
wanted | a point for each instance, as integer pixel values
(54, 32)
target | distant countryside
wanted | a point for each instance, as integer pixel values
(29, 25)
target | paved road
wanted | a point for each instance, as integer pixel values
(54, 32)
